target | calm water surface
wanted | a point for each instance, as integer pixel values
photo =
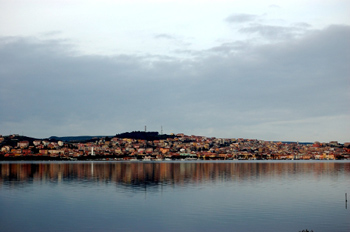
(175, 196)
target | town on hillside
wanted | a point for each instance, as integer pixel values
(151, 146)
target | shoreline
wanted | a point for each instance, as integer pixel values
(90, 159)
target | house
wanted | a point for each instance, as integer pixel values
(36, 142)
(23, 144)
(6, 148)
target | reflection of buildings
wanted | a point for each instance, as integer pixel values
(154, 173)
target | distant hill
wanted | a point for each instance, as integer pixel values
(144, 135)
(76, 138)
(289, 142)
(12, 140)
(150, 136)
(131, 135)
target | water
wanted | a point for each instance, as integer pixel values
(175, 196)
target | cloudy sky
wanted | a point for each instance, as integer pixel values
(270, 70)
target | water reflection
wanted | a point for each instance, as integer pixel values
(175, 196)
(156, 173)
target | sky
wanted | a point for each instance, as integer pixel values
(269, 70)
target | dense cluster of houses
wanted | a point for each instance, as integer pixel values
(180, 146)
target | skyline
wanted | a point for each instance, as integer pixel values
(228, 69)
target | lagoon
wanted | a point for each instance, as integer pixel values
(175, 196)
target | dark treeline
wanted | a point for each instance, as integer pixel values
(143, 135)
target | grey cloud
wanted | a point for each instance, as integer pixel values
(241, 18)
(271, 32)
(44, 88)
(39, 84)
(290, 81)
(227, 48)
